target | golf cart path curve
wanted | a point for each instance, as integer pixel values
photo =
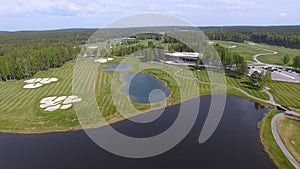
(270, 101)
(283, 148)
(263, 54)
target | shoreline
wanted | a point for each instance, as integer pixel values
(119, 119)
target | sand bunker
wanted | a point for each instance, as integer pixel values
(64, 107)
(32, 86)
(38, 82)
(54, 103)
(231, 47)
(103, 60)
(52, 108)
(48, 80)
(93, 47)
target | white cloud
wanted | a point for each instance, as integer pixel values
(283, 14)
(183, 5)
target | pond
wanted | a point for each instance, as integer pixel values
(235, 144)
(118, 68)
(144, 88)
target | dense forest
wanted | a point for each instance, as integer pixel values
(23, 54)
(285, 36)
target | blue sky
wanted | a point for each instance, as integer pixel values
(57, 14)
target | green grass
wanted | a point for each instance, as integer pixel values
(286, 93)
(243, 49)
(270, 144)
(248, 51)
(288, 130)
(20, 112)
(241, 83)
(277, 59)
(19, 108)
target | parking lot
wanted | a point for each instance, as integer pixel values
(278, 73)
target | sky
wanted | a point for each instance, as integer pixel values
(60, 14)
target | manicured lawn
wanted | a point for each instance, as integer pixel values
(277, 59)
(242, 49)
(248, 51)
(288, 130)
(270, 144)
(286, 93)
(19, 108)
(20, 111)
(231, 81)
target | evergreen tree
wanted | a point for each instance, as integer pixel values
(286, 59)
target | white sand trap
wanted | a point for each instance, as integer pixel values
(93, 47)
(54, 103)
(52, 108)
(38, 82)
(110, 59)
(48, 104)
(64, 107)
(48, 99)
(60, 99)
(32, 86)
(72, 99)
(29, 81)
(232, 47)
(48, 80)
(45, 81)
(101, 61)
(51, 101)
(253, 44)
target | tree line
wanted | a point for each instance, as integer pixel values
(23, 54)
(233, 62)
(285, 36)
(25, 61)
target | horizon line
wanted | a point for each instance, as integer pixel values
(202, 26)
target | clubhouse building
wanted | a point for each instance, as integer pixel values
(182, 58)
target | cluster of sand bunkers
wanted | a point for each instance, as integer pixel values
(51, 103)
(54, 103)
(38, 82)
(103, 60)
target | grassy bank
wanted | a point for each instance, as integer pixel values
(288, 130)
(20, 111)
(286, 93)
(270, 144)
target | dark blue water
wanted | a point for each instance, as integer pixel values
(234, 145)
(145, 89)
(118, 68)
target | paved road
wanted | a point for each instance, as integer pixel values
(285, 151)
(272, 100)
(263, 54)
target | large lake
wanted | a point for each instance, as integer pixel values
(234, 145)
